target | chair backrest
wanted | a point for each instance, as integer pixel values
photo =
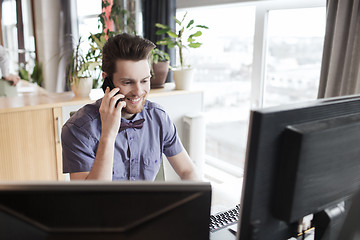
(161, 174)
(72, 113)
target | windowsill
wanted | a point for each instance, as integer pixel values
(226, 188)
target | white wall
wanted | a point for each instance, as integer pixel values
(47, 27)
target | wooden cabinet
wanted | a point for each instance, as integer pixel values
(29, 145)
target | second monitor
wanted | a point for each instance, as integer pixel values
(301, 159)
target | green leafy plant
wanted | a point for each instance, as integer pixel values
(36, 76)
(79, 65)
(94, 54)
(158, 55)
(122, 19)
(185, 38)
(122, 23)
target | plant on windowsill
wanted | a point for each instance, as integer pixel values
(159, 68)
(79, 71)
(185, 38)
(36, 75)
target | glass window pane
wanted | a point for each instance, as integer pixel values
(88, 7)
(87, 26)
(293, 61)
(223, 71)
(88, 20)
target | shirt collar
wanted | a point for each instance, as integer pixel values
(138, 116)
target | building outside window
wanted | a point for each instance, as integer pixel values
(293, 57)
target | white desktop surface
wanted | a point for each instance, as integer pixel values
(223, 234)
(225, 196)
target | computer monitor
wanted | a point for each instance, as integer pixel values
(105, 210)
(301, 159)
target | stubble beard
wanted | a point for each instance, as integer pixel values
(129, 110)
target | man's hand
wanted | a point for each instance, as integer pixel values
(12, 78)
(109, 114)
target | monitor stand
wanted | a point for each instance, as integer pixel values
(329, 222)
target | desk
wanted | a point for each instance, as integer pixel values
(30, 127)
(223, 234)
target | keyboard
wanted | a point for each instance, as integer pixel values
(224, 219)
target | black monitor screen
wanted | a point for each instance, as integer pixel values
(99, 210)
(301, 159)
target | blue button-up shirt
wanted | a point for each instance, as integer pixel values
(138, 152)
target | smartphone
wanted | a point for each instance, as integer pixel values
(109, 83)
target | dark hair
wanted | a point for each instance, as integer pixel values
(126, 47)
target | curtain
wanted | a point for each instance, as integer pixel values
(340, 70)
(159, 11)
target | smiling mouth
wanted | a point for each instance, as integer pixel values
(134, 100)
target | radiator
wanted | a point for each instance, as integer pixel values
(194, 140)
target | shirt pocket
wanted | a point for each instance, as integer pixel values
(152, 163)
(119, 170)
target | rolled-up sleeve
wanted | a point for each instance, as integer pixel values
(78, 149)
(171, 142)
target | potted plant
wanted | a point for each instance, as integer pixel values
(159, 68)
(79, 72)
(183, 39)
(96, 42)
(35, 76)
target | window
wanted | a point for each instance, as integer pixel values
(10, 34)
(254, 54)
(88, 19)
(88, 16)
(223, 71)
(293, 58)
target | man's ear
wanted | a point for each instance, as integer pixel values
(104, 75)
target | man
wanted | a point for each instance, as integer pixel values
(97, 141)
(4, 66)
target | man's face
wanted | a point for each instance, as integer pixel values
(133, 79)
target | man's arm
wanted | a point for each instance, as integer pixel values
(103, 164)
(110, 123)
(183, 166)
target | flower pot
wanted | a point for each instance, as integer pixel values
(160, 71)
(183, 78)
(82, 86)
